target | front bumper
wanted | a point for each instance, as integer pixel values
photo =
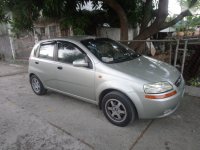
(157, 108)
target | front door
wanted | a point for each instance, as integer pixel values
(78, 81)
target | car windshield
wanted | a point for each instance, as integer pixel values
(109, 51)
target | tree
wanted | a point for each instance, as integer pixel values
(122, 17)
(128, 12)
(149, 15)
(158, 18)
(153, 19)
(25, 12)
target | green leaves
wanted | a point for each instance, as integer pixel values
(192, 5)
(3, 17)
(68, 12)
(195, 82)
(25, 12)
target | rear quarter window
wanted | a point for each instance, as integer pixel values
(46, 51)
(35, 50)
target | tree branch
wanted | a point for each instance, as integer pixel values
(154, 27)
(162, 11)
(177, 19)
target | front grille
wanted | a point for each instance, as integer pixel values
(178, 81)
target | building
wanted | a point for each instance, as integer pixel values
(49, 28)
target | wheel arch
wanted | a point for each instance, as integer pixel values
(106, 91)
(31, 74)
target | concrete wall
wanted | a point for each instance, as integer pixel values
(23, 46)
(114, 33)
(5, 47)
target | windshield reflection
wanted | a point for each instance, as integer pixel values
(109, 51)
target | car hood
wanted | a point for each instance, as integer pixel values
(148, 69)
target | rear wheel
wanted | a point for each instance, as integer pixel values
(118, 109)
(37, 85)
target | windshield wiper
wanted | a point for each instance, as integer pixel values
(127, 58)
(121, 59)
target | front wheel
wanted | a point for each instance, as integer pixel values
(118, 109)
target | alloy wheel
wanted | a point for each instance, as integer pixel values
(115, 110)
(36, 85)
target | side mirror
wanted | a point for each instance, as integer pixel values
(80, 63)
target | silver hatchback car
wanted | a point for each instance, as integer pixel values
(124, 84)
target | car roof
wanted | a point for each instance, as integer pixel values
(70, 38)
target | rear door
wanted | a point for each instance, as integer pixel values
(78, 81)
(44, 63)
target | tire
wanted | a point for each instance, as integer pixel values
(37, 85)
(118, 109)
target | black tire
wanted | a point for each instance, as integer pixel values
(40, 90)
(118, 105)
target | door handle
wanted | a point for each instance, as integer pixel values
(36, 62)
(59, 67)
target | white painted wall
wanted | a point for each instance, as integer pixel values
(114, 33)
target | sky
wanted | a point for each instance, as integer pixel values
(174, 7)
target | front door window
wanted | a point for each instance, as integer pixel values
(68, 52)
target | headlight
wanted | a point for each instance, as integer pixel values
(156, 88)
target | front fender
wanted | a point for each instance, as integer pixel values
(125, 88)
(112, 85)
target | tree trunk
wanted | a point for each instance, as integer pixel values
(138, 46)
(146, 32)
(122, 17)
